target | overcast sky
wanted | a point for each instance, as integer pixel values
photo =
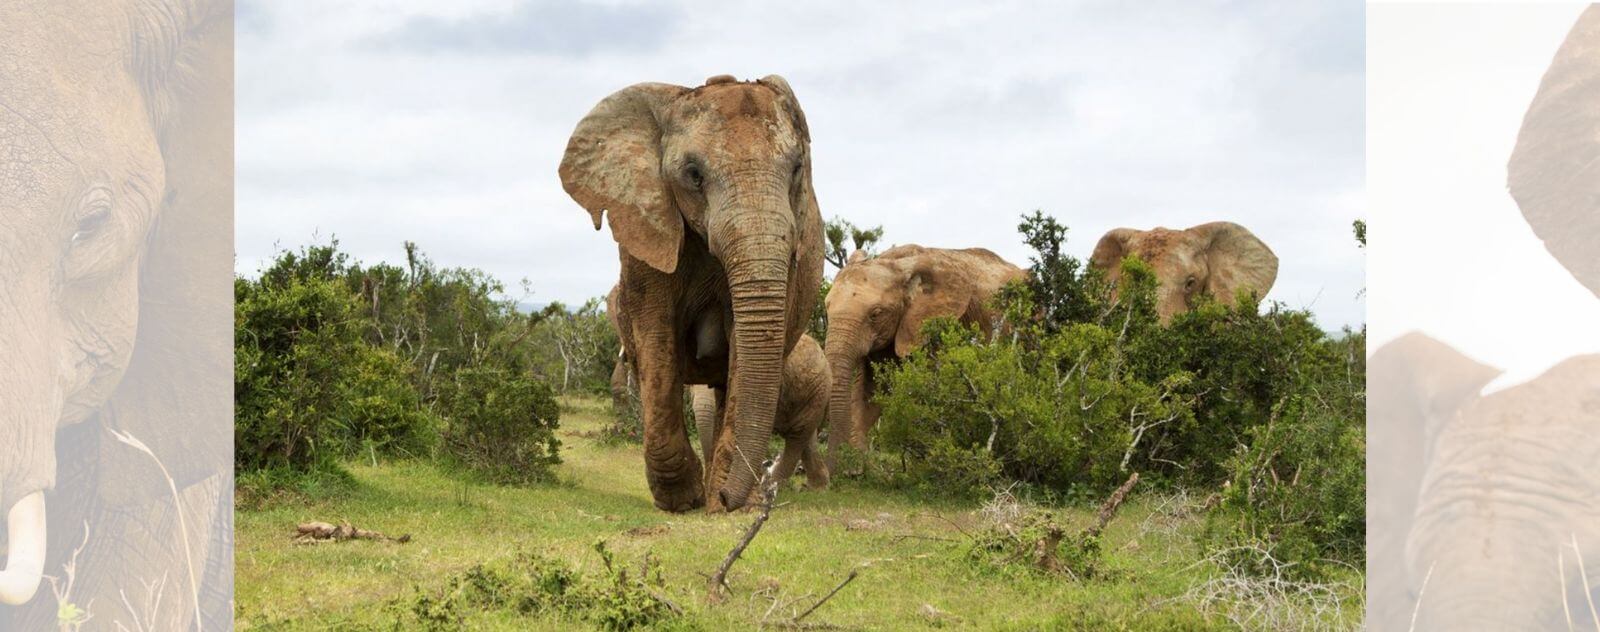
(443, 123)
(1451, 253)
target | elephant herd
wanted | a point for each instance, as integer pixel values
(709, 195)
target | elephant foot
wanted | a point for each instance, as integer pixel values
(680, 498)
(817, 482)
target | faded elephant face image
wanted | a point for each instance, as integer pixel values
(1483, 502)
(115, 238)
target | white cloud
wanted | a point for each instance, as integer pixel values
(942, 124)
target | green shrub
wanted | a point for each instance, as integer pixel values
(1298, 489)
(502, 425)
(535, 585)
(528, 585)
(307, 389)
(1086, 388)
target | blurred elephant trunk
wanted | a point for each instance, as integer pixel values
(30, 407)
(758, 259)
(845, 357)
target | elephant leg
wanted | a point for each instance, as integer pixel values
(817, 475)
(619, 387)
(864, 413)
(671, 467)
(788, 459)
(704, 404)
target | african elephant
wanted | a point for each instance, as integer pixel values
(876, 309)
(1481, 506)
(709, 195)
(1484, 508)
(800, 413)
(1217, 258)
(116, 251)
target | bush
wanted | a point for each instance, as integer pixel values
(502, 425)
(1298, 489)
(307, 390)
(1087, 388)
(531, 585)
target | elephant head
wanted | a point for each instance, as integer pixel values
(727, 163)
(1416, 386)
(1554, 172)
(107, 108)
(1500, 491)
(1218, 258)
(877, 306)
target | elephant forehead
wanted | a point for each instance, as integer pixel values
(746, 117)
(1160, 242)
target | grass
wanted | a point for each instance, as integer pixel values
(810, 544)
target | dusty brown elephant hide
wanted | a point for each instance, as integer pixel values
(876, 309)
(1216, 258)
(709, 197)
(800, 414)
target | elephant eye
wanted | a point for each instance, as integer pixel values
(692, 175)
(1189, 284)
(94, 216)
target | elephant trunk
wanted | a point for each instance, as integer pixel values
(758, 259)
(845, 358)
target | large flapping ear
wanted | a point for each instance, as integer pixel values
(1108, 253)
(927, 296)
(1236, 260)
(1554, 173)
(798, 119)
(613, 165)
(1419, 378)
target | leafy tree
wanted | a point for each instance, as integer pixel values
(838, 230)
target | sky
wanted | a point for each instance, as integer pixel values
(443, 123)
(1450, 254)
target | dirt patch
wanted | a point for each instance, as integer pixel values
(647, 531)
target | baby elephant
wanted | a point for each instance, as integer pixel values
(801, 408)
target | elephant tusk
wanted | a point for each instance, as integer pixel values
(25, 530)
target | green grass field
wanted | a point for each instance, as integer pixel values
(911, 552)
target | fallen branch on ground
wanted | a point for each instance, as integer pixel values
(319, 532)
(1108, 510)
(719, 580)
(847, 579)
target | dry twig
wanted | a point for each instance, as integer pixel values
(719, 580)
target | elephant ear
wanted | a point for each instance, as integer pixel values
(797, 116)
(1554, 173)
(613, 164)
(926, 298)
(856, 257)
(1236, 260)
(1112, 248)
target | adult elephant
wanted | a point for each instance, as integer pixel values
(1484, 509)
(801, 411)
(709, 196)
(1216, 258)
(116, 189)
(876, 309)
(1505, 519)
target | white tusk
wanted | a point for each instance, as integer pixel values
(25, 530)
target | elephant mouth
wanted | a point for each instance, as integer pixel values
(25, 550)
